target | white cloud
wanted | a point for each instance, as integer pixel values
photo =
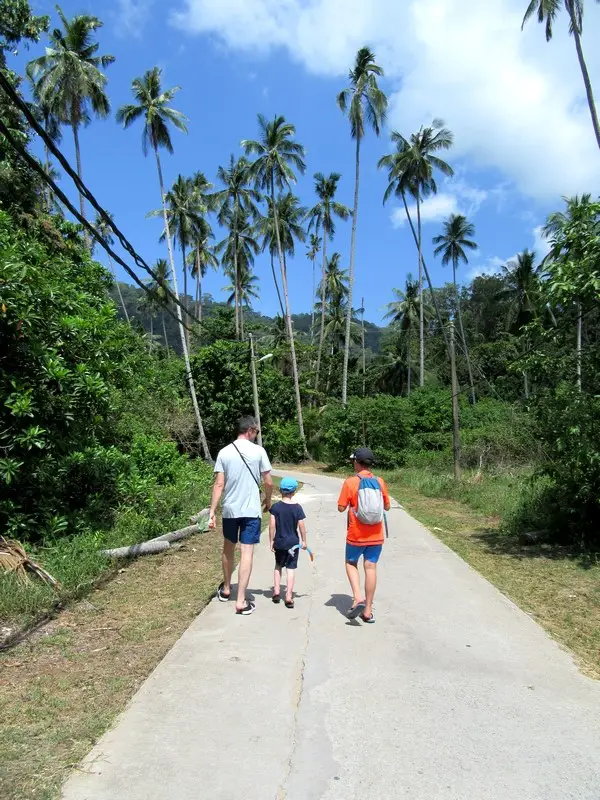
(540, 243)
(132, 16)
(513, 101)
(456, 197)
(493, 265)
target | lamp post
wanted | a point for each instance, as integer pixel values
(255, 384)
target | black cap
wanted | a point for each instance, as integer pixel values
(363, 455)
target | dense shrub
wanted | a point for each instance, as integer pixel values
(282, 442)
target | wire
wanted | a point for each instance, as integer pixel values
(82, 189)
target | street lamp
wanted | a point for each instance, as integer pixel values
(255, 384)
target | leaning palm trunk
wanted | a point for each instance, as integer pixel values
(322, 328)
(277, 286)
(288, 319)
(421, 308)
(364, 357)
(351, 279)
(584, 71)
(184, 347)
(312, 311)
(236, 276)
(462, 333)
(428, 277)
(185, 294)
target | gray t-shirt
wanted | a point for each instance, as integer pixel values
(241, 496)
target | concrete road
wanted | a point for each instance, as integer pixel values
(454, 693)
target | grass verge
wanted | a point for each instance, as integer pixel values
(558, 588)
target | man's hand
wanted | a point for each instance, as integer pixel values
(272, 546)
(212, 520)
(266, 505)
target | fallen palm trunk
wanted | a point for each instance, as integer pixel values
(161, 543)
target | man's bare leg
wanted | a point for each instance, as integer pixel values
(244, 572)
(228, 561)
(289, 587)
(370, 586)
(277, 581)
(354, 578)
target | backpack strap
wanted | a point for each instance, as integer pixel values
(247, 466)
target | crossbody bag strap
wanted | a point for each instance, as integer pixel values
(247, 466)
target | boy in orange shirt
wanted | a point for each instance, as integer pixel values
(363, 538)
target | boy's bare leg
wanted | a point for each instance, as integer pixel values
(277, 581)
(370, 586)
(244, 572)
(228, 560)
(354, 578)
(289, 588)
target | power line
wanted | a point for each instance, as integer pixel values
(82, 188)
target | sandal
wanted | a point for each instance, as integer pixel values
(289, 603)
(354, 612)
(368, 620)
(276, 598)
(221, 594)
(248, 609)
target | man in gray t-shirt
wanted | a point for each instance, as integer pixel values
(238, 469)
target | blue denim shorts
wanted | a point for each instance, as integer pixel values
(371, 552)
(245, 530)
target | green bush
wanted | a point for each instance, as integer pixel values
(283, 443)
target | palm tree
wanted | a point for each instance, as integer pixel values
(161, 290)
(336, 288)
(547, 11)
(246, 289)
(411, 170)
(362, 98)
(237, 194)
(277, 154)
(322, 217)
(522, 288)
(153, 105)
(202, 257)
(68, 80)
(51, 124)
(238, 251)
(105, 231)
(451, 246)
(405, 311)
(311, 253)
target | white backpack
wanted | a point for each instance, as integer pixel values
(370, 501)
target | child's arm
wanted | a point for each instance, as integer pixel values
(302, 532)
(272, 532)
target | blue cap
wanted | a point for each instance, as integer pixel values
(288, 485)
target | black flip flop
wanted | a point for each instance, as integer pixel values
(289, 603)
(221, 595)
(248, 609)
(356, 610)
(276, 598)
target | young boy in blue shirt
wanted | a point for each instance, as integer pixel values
(286, 528)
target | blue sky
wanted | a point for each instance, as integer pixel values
(522, 132)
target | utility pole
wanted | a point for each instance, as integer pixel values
(255, 388)
(455, 416)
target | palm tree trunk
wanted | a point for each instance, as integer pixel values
(198, 288)
(123, 306)
(322, 330)
(421, 305)
(525, 376)
(48, 189)
(164, 327)
(236, 277)
(75, 126)
(241, 321)
(462, 333)
(288, 319)
(584, 71)
(364, 362)
(277, 287)
(428, 277)
(579, 337)
(312, 310)
(185, 292)
(151, 331)
(184, 347)
(408, 362)
(351, 278)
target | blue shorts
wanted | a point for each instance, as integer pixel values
(245, 530)
(371, 552)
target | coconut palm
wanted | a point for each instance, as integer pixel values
(363, 100)
(236, 194)
(238, 250)
(277, 155)
(451, 245)
(322, 218)
(161, 290)
(68, 80)
(405, 312)
(105, 231)
(547, 11)
(312, 252)
(153, 106)
(411, 169)
(202, 258)
(246, 289)
(521, 293)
